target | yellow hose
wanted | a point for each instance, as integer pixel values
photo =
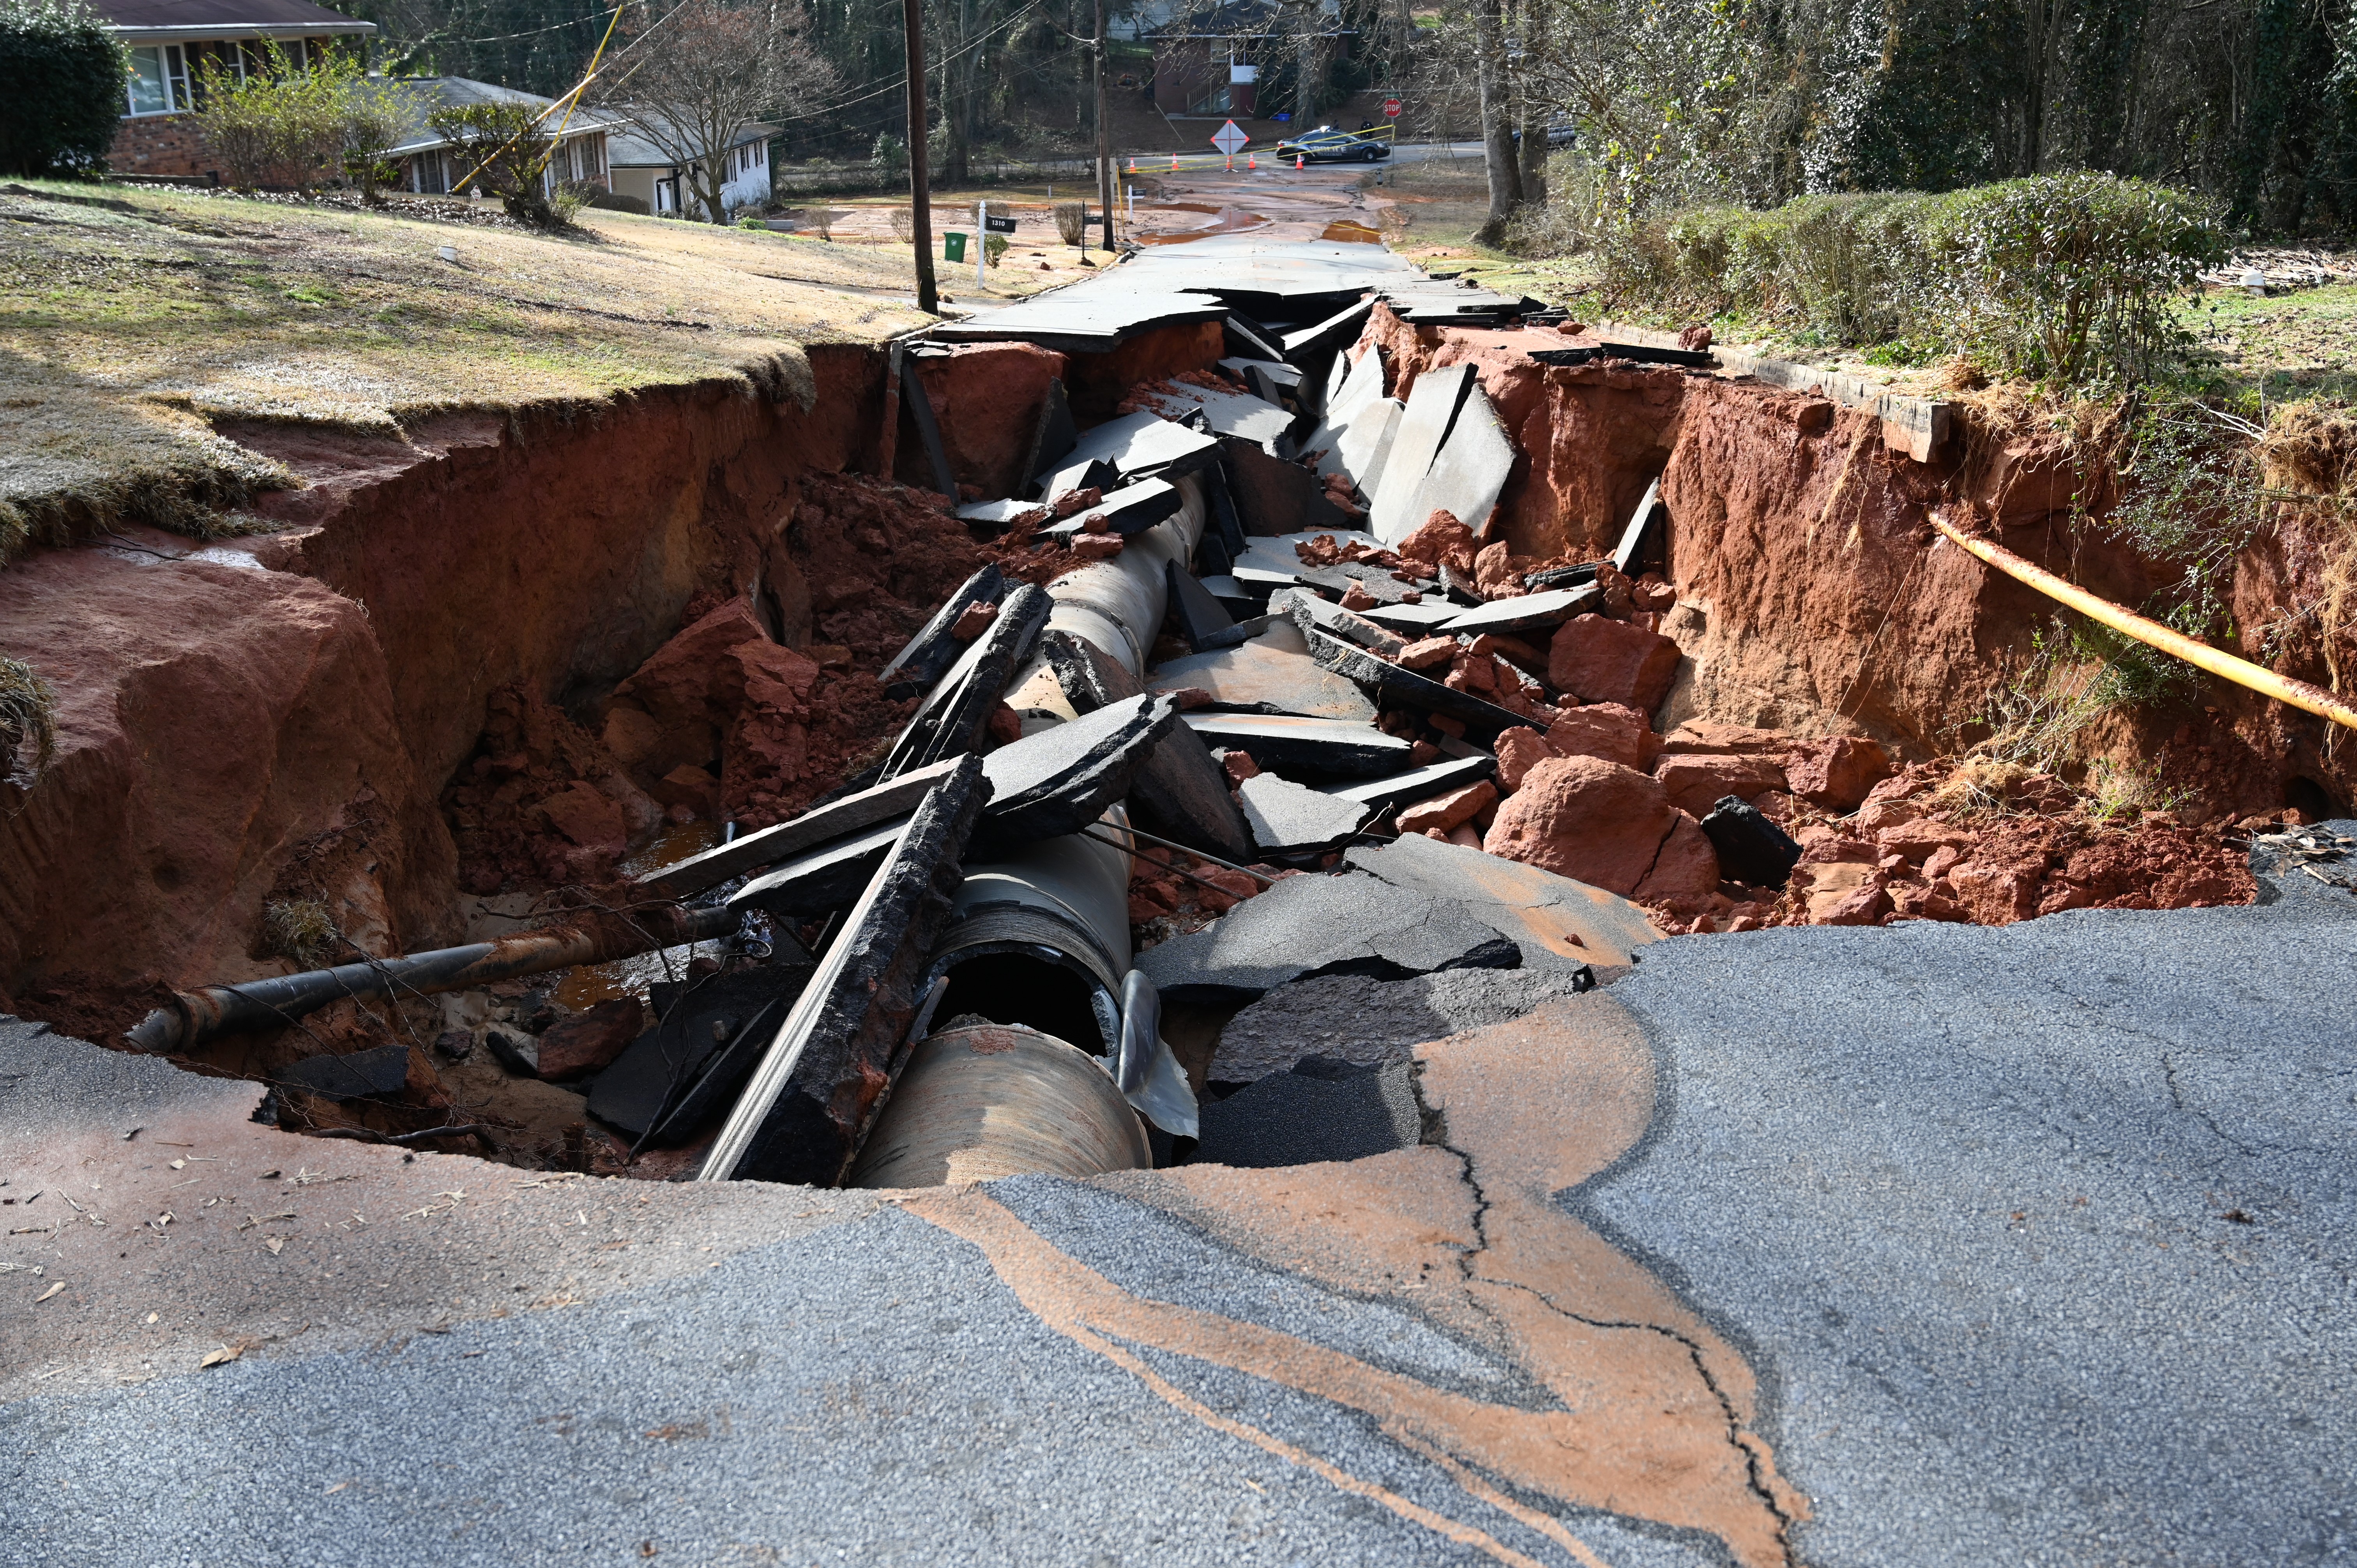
(2242, 671)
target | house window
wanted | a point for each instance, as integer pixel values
(159, 79)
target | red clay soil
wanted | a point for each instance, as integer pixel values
(986, 398)
(280, 716)
(1812, 594)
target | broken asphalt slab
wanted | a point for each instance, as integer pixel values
(1344, 924)
(1302, 748)
(1273, 673)
(1320, 1109)
(1954, 1215)
(1366, 1022)
(1289, 818)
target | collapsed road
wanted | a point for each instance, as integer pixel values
(1457, 1078)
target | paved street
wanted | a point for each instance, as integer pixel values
(1920, 1245)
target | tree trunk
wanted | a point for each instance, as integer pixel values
(1530, 96)
(1304, 71)
(1497, 130)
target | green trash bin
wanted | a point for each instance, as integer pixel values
(954, 246)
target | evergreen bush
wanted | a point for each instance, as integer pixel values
(62, 80)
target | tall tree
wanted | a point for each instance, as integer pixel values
(1497, 120)
(691, 80)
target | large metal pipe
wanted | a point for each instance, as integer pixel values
(2242, 671)
(196, 1016)
(1116, 605)
(984, 1101)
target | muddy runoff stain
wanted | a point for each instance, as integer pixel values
(1654, 1412)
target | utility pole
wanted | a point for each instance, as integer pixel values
(1105, 132)
(928, 298)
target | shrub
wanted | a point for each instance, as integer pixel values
(27, 715)
(994, 248)
(507, 151)
(1072, 222)
(891, 157)
(904, 224)
(62, 78)
(292, 125)
(2064, 276)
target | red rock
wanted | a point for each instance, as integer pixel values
(1863, 906)
(1704, 738)
(1445, 812)
(1619, 596)
(1603, 661)
(1426, 653)
(1356, 597)
(1876, 815)
(1422, 754)
(588, 818)
(693, 788)
(1494, 574)
(1997, 892)
(1686, 871)
(1825, 847)
(1239, 766)
(1593, 821)
(1610, 730)
(1838, 771)
(1096, 522)
(1470, 674)
(1918, 840)
(1915, 902)
(1463, 833)
(589, 1041)
(1695, 782)
(1440, 540)
(1071, 501)
(1826, 887)
(1097, 546)
(674, 707)
(1189, 698)
(1937, 863)
(975, 621)
(1520, 750)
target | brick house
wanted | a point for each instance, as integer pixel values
(172, 41)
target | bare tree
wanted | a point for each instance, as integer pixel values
(691, 79)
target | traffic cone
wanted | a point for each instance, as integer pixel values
(1133, 163)
(1174, 163)
(1251, 161)
(1231, 163)
(1296, 160)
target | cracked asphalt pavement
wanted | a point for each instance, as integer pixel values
(1922, 1245)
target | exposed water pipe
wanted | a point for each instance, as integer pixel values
(2242, 671)
(196, 1016)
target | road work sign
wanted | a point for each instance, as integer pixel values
(1227, 138)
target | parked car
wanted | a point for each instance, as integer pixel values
(1328, 144)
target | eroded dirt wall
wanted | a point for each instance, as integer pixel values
(1814, 597)
(275, 715)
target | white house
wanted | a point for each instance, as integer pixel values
(643, 169)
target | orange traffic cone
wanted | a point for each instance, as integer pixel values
(1174, 163)
(1296, 160)
(1251, 161)
(1133, 163)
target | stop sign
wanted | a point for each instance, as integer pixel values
(1391, 108)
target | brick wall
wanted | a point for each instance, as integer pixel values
(161, 143)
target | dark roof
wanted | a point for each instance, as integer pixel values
(421, 96)
(220, 16)
(628, 146)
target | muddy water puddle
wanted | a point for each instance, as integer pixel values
(1224, 220)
